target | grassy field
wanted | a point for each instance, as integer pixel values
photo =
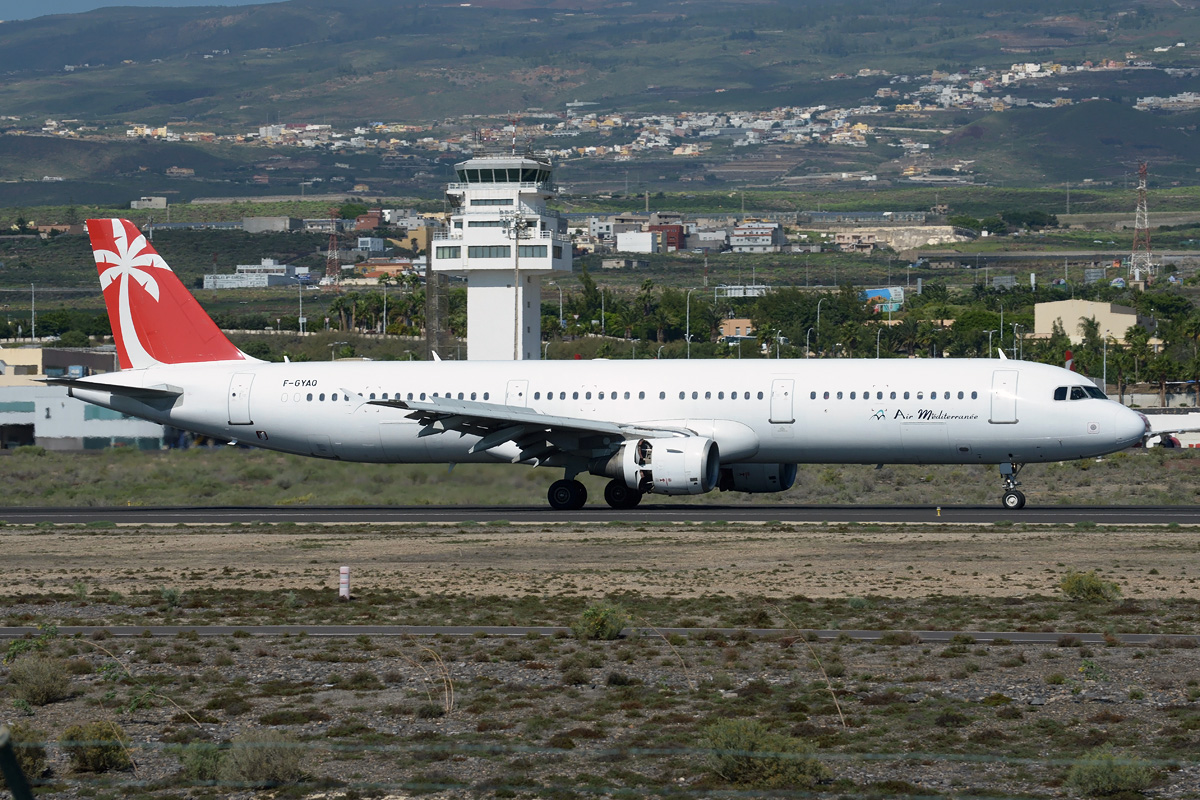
(237, 476)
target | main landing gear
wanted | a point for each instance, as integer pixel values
(570, 495)
(567, 495)
(1013, 499)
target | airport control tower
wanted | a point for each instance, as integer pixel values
(504, 241)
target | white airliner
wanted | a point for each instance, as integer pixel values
(675, 427)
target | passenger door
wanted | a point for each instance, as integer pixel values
(239, 398)
(1004, 397)
(782, 390)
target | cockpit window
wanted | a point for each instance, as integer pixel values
(1077, 393)
(1060, 393)
(1096, 392)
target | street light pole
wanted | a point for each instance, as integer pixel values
(989, 333)
(822, 300)
(1104, 378)
(1015, 325)
(877, 340)
(807, 352)
(688, 324)
(778, 335)
(516, 227)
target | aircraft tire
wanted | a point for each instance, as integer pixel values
(567, 495)
(1013, 500)
(618, 495)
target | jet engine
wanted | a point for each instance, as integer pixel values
(675, 465)
(758, 478)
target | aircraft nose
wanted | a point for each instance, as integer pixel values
(1130, 426)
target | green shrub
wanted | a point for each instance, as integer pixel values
(1103, 773)
(1088, 587)
(96, 747)
(601, 621)
(40, 680)
(29, 751)
(262, 758)
(745, 753)
(202, 761)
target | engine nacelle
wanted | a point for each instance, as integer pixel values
(758, 478)
(675, 465)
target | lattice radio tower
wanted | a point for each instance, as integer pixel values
(333, 266)
(1141, 262)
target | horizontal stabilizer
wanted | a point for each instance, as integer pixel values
(160, 392)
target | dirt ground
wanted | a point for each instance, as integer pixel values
(592, 560)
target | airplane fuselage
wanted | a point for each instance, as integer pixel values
(941, 411)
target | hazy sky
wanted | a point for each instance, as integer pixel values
(28, 9)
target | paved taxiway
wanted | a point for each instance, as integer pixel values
(646, 514)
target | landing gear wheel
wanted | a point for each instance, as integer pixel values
(567, 495)
(618, 495)
(1013, 500)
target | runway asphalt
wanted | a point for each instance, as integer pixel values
(645, 514)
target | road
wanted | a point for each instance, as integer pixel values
(645, 514)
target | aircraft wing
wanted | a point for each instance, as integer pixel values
(537, 436)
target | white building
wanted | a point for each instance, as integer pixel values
(757, 237)
(504, 241)
(255, 276)
(639, 242)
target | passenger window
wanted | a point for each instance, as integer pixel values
(321, 397)
(372, 397)
(852, 395)
(310, 397)
(920, 395)
(879, 395)
(974, 395)
(333, 397)
(827, 395)
(893, 395)
(641, 395)
(812, 395)
(681, 395)
(708, 395)
(839, 396)
(627, 396)
(1077, 393)
(746, 395)
(422, 396)
(601, 397)
(537, 395)
(662, 395)
(760, 395)
(410, 395)
(587, 395)
(906, 395)
(385, 394)
(485, 395)
(946, 396)
(472, 395)
(695, 395)
(612, 395)
(460, 395)
(960, 395)
(574, 395)
(561, 395)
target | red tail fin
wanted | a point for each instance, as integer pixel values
(155, 320)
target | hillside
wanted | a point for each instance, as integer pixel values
(1097, 138)
(412, 59)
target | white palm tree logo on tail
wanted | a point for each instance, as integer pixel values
(130, 261)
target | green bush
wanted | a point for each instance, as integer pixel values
(96, 747)
(40, 680)
(263, 758)
(601, 621)
(745, 753)
(29, 751)
(1088, 587)
(1103, 773)
(202, 761)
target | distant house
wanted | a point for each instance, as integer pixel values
(180, 172)
(149, 202)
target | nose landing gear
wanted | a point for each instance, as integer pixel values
(1013, 499)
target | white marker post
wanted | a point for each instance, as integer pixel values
(344, 583)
